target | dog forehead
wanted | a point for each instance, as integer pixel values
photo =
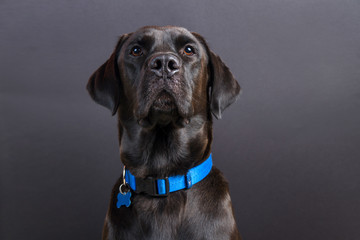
(162, 35)
(166, 31)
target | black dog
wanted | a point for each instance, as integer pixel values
(164, 83)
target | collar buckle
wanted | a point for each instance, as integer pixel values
(151, 186)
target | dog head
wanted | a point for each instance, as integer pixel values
(162, 76)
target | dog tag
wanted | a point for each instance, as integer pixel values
(123, 198)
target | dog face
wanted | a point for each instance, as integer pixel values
(163, 75)
(164, 67)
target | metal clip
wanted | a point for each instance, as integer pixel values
(124, 184)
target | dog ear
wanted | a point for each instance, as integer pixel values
(224, 87)
(104, 84)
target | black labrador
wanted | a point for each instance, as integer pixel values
(165, 83)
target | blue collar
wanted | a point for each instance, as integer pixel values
(162, 187)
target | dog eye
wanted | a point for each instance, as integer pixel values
(189, 50)
(136, 51)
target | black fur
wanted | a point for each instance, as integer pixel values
(165, 128)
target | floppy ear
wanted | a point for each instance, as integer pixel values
(224, 87)
(104, 84)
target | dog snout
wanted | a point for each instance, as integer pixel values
(165, 65)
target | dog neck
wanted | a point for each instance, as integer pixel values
(164, 150)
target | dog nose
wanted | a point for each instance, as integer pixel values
(165, 64)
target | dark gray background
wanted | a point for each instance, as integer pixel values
(289, 147)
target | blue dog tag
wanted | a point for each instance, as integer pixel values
(123, 199)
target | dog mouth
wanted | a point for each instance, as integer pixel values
(164, 102)
(163, 110)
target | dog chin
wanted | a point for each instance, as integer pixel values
(164, 103)
(163, 117)
(151, 122)
(163, 111)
